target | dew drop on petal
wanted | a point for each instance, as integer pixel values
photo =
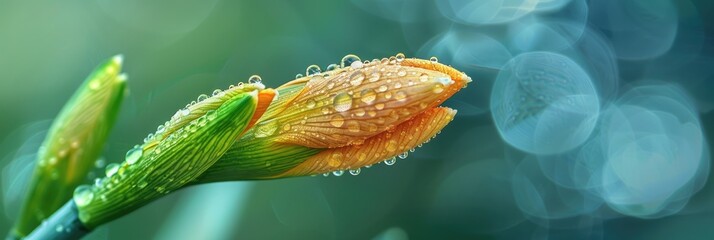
(347, 60)
(379, 106)
(201, 97)
(353, 126)
(331, 67)
(342, 102)
(400, 57)
(255, 79)
(338, 173)
(438, 88)
(356, 65)
(355, 172)
(310, 103)
(374, 76)
(390, 161)
(312, 70)
(424, 77)
(368, 96)
(337, 120)
(356, 78)
(403, 155)
(211, 115)
(400, 96)
(266, 129)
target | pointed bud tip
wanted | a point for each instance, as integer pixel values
(118, 59)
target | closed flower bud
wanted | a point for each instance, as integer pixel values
(344, 119)
(73, 143)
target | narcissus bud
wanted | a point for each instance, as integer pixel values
(73, 143)
(344, 119)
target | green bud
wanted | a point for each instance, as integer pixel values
(175, 155)
(73, 143)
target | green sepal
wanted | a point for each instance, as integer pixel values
(73, 144)
(175, 159)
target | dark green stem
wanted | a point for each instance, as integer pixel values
(64, 224)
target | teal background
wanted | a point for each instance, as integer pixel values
(459, 186)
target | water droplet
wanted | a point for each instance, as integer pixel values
(201, 97)
(342, 102)
(133, 155)
(391, 145)
(211, 115)
(310, 103)
(388, 95)
(383, 88)
(218, 92)
(111, 169)
(255, 79)
(266, 129)
(401, 72)
(355, 172)
(438, 88)
(338, 173)
(434, 59)
(331, 67)
(142, 184)
(201, 121)
(368, 96)
(359, 112)
(286, 127)
(325, 110)
(337, 120)
(353, 126)
(59, 228)
(379, 106)
(83, 195)
(391, 161)
(356, 78)
(400, 57)
(403, 155)
(397, 85)
(160, 189)
(348, 59)
(374, 76)
(412, 150)
(298, 76)
(357, 65)
(400, 96)
(326, 174)
(312, 70)
(424, 77)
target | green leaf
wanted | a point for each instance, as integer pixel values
(73, 143)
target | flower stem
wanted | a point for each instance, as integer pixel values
(63, 224)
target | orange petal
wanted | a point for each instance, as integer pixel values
(385, 145)
(348, 105)
(265, 97)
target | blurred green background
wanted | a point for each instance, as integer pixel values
(458, 186)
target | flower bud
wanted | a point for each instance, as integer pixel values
(73, 143)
